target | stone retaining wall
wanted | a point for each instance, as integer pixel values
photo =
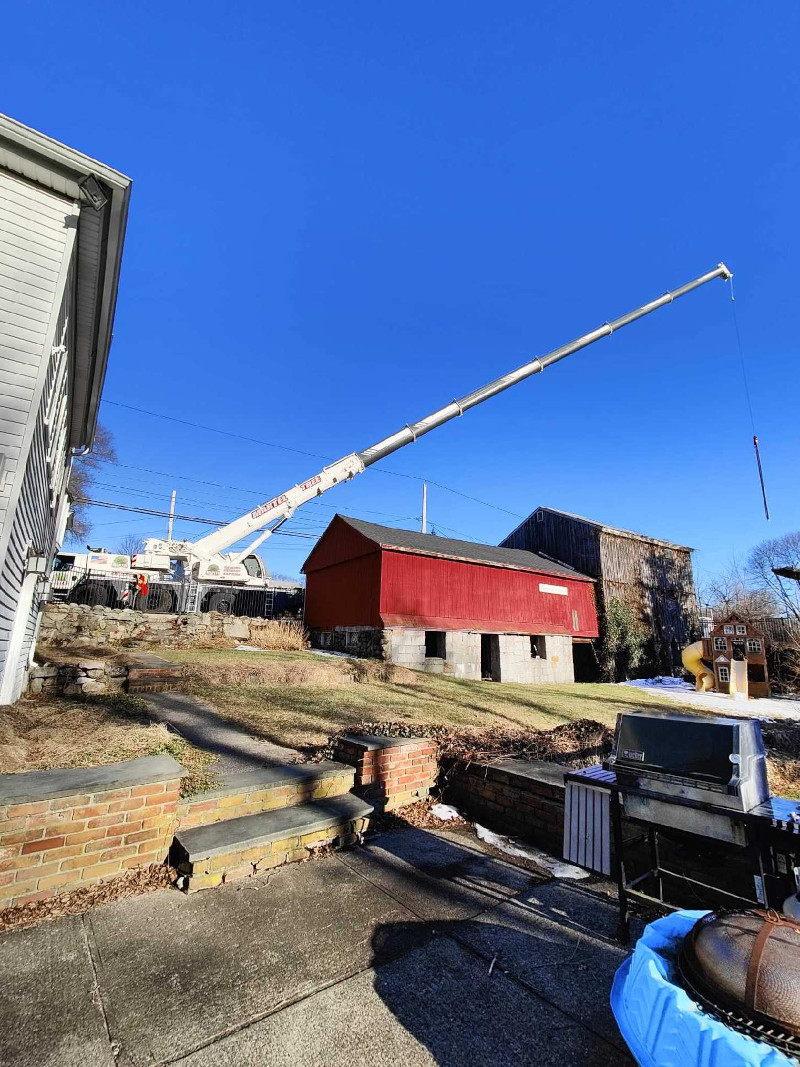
(61, 830)
(75, 679)
(71, 624)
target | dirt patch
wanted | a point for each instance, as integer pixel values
(131, 884)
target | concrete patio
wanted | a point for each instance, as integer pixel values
(381, 955)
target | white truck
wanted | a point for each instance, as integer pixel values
(208, 563)
(112, 579)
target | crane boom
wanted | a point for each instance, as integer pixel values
(280, 508)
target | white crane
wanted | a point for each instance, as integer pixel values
(206, 558)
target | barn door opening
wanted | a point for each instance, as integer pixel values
(490, 657)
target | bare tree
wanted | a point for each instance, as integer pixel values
(129, 545)
(83, 472)
(765, 558)
(735, 592)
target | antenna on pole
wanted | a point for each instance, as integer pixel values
(424, 526)
(171, 516)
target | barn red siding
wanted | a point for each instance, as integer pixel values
(434, 593)
(339, 543)
(345, 594)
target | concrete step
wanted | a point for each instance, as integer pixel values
(266, 789)
(239, 848)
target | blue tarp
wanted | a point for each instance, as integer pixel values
(662, 1025)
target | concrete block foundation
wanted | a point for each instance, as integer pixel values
(522, 658)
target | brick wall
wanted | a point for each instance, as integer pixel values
(390, 771)
(61, 830)
(247, 799)
(512, 797)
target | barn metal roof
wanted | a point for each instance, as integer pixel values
(605, 528)
(448, 548)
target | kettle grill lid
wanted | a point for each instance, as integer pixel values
(746, 963)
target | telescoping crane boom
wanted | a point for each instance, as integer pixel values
(204, 556)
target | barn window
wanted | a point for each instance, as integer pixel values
(720, 644)
(727, 629)
(753, 644)
(538, 646)
(724, 674)
(435, 644)
(540, 516)
(741, 629)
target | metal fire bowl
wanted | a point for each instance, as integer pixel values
(745, 967)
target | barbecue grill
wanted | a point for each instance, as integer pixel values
(706, 777)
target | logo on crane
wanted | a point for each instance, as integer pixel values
(270, 504)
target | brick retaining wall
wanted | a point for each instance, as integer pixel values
(390, 771)
(513, 797)
(69, 828)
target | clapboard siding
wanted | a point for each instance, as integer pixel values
(35, 523)
(34, 238)
(654, 576)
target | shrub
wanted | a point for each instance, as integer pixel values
(622, 642)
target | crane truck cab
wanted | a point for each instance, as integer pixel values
(97, 578)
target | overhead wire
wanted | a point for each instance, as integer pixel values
(303, 452)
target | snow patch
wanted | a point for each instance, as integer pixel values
(661, 682)
(514, 848)
(445, 812)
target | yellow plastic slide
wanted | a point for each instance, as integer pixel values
(692, 657)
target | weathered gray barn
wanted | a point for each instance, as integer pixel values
(62, 224)
(653, 575)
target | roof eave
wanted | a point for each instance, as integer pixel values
(60, 169)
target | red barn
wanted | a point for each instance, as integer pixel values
(446, 606)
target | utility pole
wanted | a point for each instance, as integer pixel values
(424, 507)
(171, 516)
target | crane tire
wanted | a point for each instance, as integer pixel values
(221, 601)
(94, 594)
(158, 601)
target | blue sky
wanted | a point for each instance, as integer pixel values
(344, 215)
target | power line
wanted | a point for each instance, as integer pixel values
(183, 518)
(302, 452)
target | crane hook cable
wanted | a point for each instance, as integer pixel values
(749, 402)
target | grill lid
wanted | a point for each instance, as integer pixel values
(745, 967)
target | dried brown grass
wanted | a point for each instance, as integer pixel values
(278, 635)
(47, 733)
(329, 672)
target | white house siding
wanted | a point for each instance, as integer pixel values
(37, 232)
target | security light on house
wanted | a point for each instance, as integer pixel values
(93, 192)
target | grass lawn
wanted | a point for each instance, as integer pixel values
(299, 699)
(41, 733)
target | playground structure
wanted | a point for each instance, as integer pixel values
(732, 661)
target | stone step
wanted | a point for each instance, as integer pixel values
(266, 789)
(152, 674)
(239, 848)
